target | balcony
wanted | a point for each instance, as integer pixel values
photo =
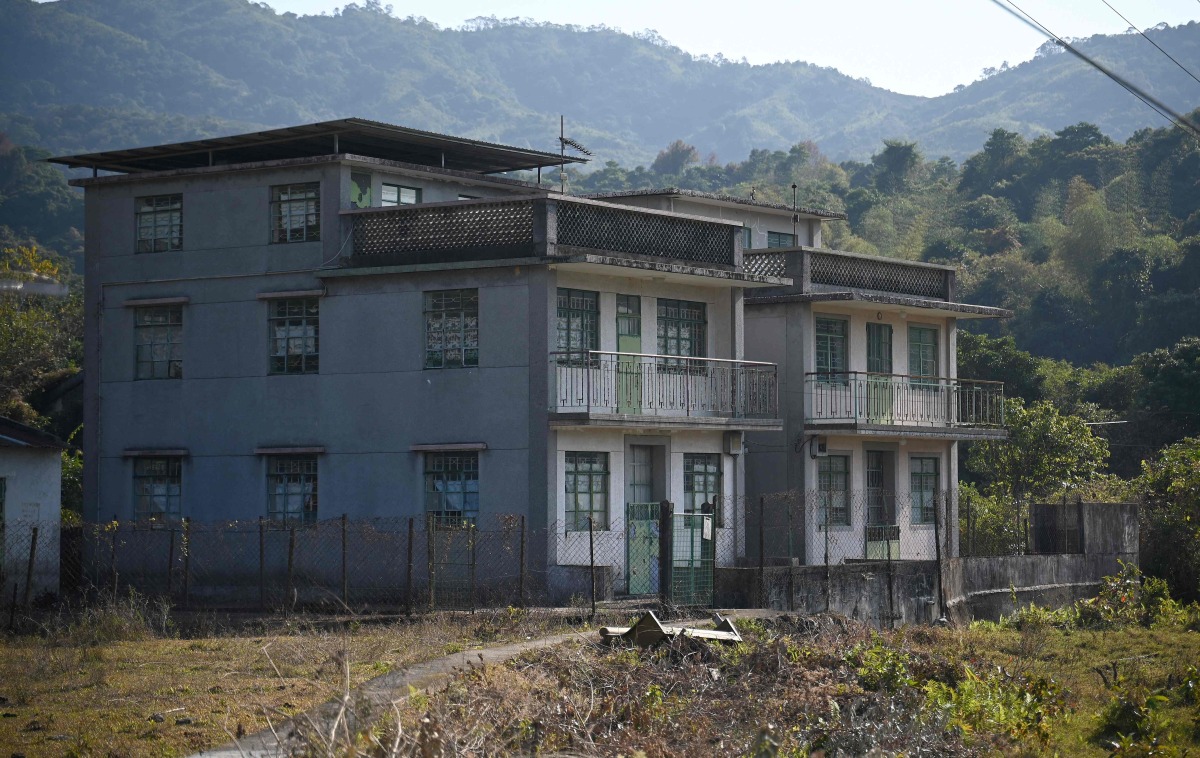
(621, 389)
(852, 399)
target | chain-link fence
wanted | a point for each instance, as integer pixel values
(996, 526)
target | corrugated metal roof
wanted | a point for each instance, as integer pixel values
(16, 434)
(349, 135)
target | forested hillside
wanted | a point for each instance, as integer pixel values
(95, 74)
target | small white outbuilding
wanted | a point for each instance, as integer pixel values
(30, 497)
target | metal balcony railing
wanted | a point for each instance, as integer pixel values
(642, 384)
(894, 399)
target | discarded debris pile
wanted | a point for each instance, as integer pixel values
(649, 631)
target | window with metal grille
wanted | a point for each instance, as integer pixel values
(578, 321)
(923, 481)
(922, 351)
(159, 223)
(831, 349)
(781, 239)
(295, 345)
(702, 485)
(158, 342)
(833, 484)
(395, 194)
(682, 328)
(747, 238)
(586, 485)
(292, 488)
(157, 486)
(296, 212)
(452, 488)
(452, 328)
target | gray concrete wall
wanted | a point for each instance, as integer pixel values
(32, 498)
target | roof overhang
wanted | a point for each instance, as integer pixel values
(664, 271)
(721, 201)
(872, 301)
(350, 135)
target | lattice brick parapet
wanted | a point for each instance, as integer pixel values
(625, 231)
(765, 264)
(883, 276)
(415, 229)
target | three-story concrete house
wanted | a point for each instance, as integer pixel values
(357, 318)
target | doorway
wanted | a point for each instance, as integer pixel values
(642, 526)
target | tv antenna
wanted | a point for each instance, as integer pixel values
(563, 143)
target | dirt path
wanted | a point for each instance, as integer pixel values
(373, 699)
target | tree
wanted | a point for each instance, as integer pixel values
(676, 157)
(1045, 453)
(1171, 392)
(999, 360)
(896, 166)
(1171, 517)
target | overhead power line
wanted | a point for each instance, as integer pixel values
(1150, 101)
(1152, 42)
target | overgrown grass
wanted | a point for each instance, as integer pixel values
(125, 676)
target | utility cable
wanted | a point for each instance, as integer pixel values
(1152, 42)
(1150, 101)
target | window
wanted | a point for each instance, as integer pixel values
(747, 238)
(158, 342)
(831, 349)
(702, 485)
(781, 239)
(923, 481)
(586, 484)
(296, 212)
(292, 488)
(833, 484)
(360, 190)
(923, 354)
(578, 321)
(451, 488)
(159, 223)
(295, 336)
(452, 328)
(156, 489)
(682, 328)
(394, 194)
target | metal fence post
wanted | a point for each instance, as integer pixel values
(471, 563)
(33, 537)
(431, 557)
(791, 582)
(828, 578)
(170, 559)
(186, 546)
(345, 576)
(521, 575)
(290, 595)
(408, 578)
(262, 564)
(937, 552)
(592, 560)
(762, 570)
(666, 546)
(112, 555)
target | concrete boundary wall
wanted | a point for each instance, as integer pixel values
(888, 594)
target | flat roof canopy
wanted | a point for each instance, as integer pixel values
(351, 135)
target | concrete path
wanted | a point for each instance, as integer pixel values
(373, 699)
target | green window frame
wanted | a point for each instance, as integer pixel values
(578, 321)
(682, 328)
(452, 328)
(158, 489)
(832, 337)
(398, 194)
(702, 485)
(747, 238)
(922, 351)
(294, 327)
(586, 483)
(159, 221)
(833, 490)
(923, 483)
(296, 212)
(879, 348)
(781, 239)
(158, 342)
(292, 489)
(452, 488)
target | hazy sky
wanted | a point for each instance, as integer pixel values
(921, 47)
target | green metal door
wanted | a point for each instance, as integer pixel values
(692, 554)
(641, 522)
(879, 373)
(882, 535)
(629, 340)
